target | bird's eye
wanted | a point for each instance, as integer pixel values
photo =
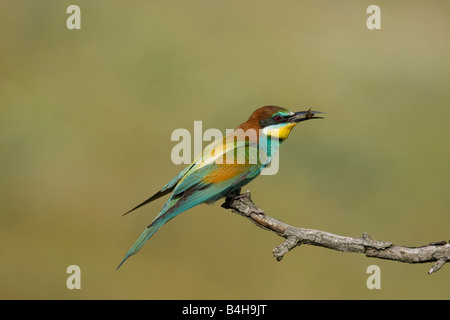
(278, 118)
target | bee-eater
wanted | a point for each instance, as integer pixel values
(218, 172)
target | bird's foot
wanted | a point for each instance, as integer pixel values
(242, 203)
(235, 194)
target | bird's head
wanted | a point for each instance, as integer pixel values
(277, 122)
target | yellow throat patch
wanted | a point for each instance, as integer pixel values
(281, 133)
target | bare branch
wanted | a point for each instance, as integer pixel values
(437, 252)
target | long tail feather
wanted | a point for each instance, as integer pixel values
(150, 231)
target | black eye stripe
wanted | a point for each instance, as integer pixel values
(278, 118)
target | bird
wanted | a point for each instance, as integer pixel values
(219, 171)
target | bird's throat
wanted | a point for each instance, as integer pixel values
(279, 132)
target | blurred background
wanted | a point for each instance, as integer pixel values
(86, 118)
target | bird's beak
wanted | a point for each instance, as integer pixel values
(304, 115)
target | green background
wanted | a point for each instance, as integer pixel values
(86, 118)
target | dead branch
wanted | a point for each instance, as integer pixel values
(436, 252)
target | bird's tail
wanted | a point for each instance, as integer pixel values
(151, 229)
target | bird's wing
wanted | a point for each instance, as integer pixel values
(210, 179)
(203, 181)
(203, 159)
(211, 167)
